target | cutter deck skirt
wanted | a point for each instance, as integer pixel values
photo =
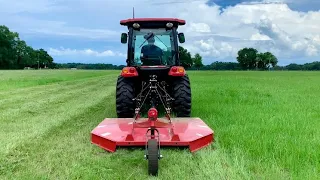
(188, 132)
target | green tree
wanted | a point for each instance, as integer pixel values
(21, 54)
(44, 58)
(225, 66)
(294, 67)
(271, 59)
(8, 44)
(261, 61)
(16, 54)
(312, 66)
(185, 58)
(266, 60)
(247, 58)
(197, 61)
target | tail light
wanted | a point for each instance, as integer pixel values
(129, 72)
(152, 114)
(177, 71)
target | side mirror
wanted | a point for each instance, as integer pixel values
(181, 38)
(124, 38)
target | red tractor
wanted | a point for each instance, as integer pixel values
(153, 80)
(153, 75)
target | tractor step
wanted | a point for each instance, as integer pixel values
(189, 132)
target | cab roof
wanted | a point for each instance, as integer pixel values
(156, 22)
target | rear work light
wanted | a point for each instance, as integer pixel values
(177, 71)
(129, 72)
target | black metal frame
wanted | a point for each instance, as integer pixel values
(155, 90)
(130, 56)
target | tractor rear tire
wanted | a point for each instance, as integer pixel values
(182, 96)
(124, 98)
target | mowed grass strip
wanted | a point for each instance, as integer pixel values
(28, 78)
(27, 116)
(25, 96)
(35, 117)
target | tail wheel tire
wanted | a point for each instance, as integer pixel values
(182, 95)
(153, 157)
(124, 98)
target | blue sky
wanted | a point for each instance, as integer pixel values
(88, 31)
(296, 5)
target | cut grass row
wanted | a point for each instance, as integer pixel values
(19, 79)
(266, 126)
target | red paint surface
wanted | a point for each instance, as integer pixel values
(125, 21)
(113, 132)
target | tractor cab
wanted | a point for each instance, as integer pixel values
(152, 44)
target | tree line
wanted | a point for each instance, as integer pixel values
(235, 66)
(216, 66)
(98, 66)
(16, 54)
(248, 59)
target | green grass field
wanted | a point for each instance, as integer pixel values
(266, 127)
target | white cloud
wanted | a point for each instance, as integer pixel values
(199, 27)
(267, 27)
(31, 6)
(31, 26)
(295, 44)
(215, 33)
(315, 39)
(85, 52)
(77, 32)
(212, 48)
(259, 37)
(312, 50)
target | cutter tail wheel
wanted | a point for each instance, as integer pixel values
(153, 157)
